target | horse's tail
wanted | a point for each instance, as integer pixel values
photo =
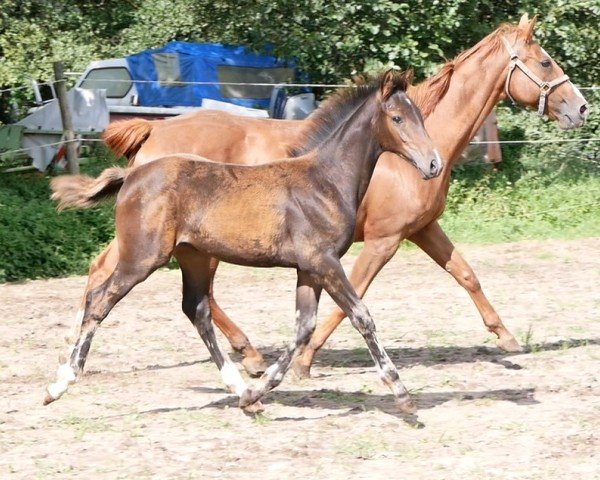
(126, 137)
(81, 191)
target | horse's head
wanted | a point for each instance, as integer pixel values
(399, 126)
(534, 79)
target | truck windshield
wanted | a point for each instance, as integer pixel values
(115, 80)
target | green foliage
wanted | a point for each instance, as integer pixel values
(332, 39)
(37, 241)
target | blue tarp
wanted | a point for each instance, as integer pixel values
(197, 62)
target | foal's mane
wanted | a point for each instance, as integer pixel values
(430, 92)
(338, 107)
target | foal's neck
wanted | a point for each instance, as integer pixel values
(346, 160)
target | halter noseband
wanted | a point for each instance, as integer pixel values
(545, 87)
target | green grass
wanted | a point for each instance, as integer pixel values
(525, 210)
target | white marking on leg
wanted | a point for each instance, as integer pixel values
(75, 328)
(232, 378)
(274, 373)
(65, 376)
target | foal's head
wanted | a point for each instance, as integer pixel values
(399, 126)
(535, 80)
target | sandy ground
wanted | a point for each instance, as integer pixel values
(151, 404)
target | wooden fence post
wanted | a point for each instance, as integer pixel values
(65, 115)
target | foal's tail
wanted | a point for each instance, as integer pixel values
(81, 191)
(126, 137)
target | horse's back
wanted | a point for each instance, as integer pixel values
(220, 136)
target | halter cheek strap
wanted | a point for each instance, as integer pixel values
(545, 87)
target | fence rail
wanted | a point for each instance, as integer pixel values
(253, 84)
(308, 85)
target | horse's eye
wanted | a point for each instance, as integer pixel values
(396, 119)
(546, 63)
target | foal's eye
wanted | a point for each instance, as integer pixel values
(396, 119)
(546, 63)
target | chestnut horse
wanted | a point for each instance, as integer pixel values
(399, 204)
(297, 213)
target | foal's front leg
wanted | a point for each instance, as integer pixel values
(341, 291)
(434, 242)
(307, 301)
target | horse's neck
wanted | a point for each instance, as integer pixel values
(347, 158)
(475, 88)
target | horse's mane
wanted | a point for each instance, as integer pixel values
(430, 92)
(338, 107)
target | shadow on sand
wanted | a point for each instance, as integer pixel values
(343, 404)
(404, 357)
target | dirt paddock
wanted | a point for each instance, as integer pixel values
(151, 404)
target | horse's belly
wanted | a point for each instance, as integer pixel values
(240, 229)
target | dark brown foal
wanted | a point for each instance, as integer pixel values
(292, 213)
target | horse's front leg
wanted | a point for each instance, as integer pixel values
(307, 301)
(434, 242)
(374, 255)
(252, 360)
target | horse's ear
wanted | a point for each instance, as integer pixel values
(387, 86)
(526, 27)
(524, 21)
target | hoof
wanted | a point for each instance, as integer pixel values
(48, 398)
(254, 408)
(509, 344)
(300, 371)
(254, 366)
(406, 405)
(248, 398)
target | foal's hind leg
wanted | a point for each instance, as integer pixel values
(252, 360)
(99, 302)
(195, 270)
(100, 269)
(307, 301)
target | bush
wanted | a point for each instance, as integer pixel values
(38, 242)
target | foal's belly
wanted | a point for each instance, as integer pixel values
(247, 226)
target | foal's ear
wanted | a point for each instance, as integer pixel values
(387, 86)
(405, 79)
(526, 27)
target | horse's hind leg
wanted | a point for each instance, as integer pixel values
(196, 274)
(252, 360)
(307, 301)
(98, 302)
